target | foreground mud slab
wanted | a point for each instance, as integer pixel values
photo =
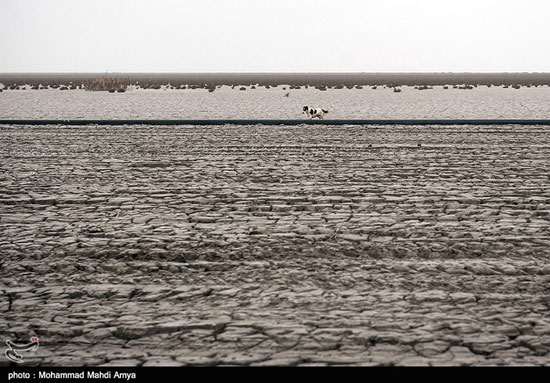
(308, 245)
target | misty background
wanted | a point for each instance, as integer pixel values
(274, 36)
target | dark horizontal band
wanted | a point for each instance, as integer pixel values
(283, 122)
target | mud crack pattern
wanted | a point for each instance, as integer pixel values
(308, 245)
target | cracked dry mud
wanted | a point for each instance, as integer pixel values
(276, 245)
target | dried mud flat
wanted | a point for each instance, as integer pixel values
(276, 245)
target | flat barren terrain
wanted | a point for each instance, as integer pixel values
(261, 103)
(281, 245)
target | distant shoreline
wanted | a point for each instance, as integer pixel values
(316, 80)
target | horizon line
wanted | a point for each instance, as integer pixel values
(275, 72)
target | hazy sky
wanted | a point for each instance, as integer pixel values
(274, 36)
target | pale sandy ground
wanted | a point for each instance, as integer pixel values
(481, 102)
(276, 245)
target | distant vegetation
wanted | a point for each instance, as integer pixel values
(107, 83)
(322, 81)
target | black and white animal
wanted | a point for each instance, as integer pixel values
(314, 112)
